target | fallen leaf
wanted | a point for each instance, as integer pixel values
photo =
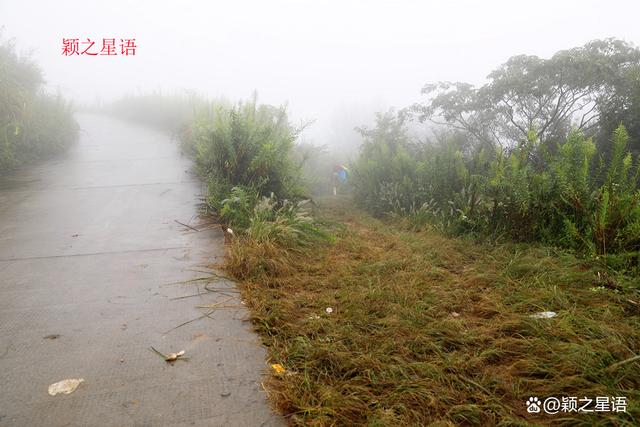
(278, 368)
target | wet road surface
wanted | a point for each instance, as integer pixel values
(90, 254)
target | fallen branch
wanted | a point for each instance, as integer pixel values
(221, 291)
(200, 279)
(188, 226)
(190, 321)
(216, 304)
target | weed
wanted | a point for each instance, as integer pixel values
(33, 124)
(427, 329)
(567, 197)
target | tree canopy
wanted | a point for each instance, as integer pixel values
(585, 88)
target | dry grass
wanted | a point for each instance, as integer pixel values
(431, 330)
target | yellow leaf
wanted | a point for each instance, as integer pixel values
(278, 368)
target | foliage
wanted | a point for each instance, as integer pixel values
(289, 224)
(568, 197)
(429, 330)
(523, 156)
(385, 175)
(247, 152)
(33, 124)
(246, 145)
(269, 220)
(238, 208)
(623, 107)
(547, 96)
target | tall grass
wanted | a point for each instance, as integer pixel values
(246, 152)
(568, 196)
(430, 330)
(247, 145)
(33, 124)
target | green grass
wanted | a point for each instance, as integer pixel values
(34, 125)
(430, 330)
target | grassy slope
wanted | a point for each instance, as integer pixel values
(428, 329)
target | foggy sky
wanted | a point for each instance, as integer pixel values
(333, 61)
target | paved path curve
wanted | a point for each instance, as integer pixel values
(89, 256)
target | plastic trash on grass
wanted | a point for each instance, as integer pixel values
(544, 315)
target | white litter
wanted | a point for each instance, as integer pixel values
(65, 386)
(173, 356)
(328, 310)
(544, 315)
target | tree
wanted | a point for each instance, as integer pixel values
(623, 107)
(574, 88)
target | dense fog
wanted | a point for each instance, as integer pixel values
(335, 62)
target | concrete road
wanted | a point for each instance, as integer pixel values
(90, 260)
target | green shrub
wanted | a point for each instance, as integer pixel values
(268, 220)
(33, 124)
(386, 175)
(246, 145)
(246, 152)
(289, 224)
(237, 210)
(567, 196)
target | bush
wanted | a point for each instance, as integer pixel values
(246, 145)
(247, 154)
(33, 124)
(288, 223)
(566, 196)
(386, 175)
(237, 210)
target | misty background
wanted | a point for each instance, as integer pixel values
(335, 62)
